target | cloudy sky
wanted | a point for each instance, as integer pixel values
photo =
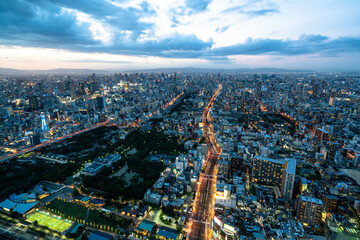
(133, 34)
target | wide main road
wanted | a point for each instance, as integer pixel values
(203, 209)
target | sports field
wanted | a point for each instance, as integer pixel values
(51, 221)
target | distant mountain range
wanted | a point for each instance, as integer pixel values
(9, 71)
(219, 70)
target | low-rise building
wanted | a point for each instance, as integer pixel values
(166, 233)
(151, 197)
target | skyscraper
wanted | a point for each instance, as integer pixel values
(100, 103)
(267, 171)
(73, 91)
(81, 89)
(34, 140)
(34, 103)
(94, 86)
(44, 125)
(288, 178)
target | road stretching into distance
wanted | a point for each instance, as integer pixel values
(18, 153)
(203, 209)
(170, 103)
(134, 124)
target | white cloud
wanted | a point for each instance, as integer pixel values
(99, 30)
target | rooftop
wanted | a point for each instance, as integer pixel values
(7, 204)
(291, 165)
(311, 199)
(146, 225)
(278, 161)
(167, 233)
(25, 207)
(97, 235)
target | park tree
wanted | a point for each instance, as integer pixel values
(75, 192)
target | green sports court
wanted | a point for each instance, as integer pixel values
(49, 220)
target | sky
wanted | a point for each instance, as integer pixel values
(320, 35)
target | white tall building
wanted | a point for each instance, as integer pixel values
(288, 178)
(44, 125)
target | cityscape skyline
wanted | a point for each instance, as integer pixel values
(181, 155)
(96, 34)
(180, 120)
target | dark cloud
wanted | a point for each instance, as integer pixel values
(47, 24)
(41, 22)
(176, 46)
(16, 8)
(108, 13)
(313, 38)
(175, 42)
(306, 44)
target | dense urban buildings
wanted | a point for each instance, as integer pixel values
(203, 155)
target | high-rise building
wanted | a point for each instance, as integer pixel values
(73, 91)
(81, 89)
(321, 134)
(100, 103)
(34, 103)
(288, 178)
(94, 86)
(267, 171)
(44, 125)
(309, 209)
(332, 148)
(34, 140)
(67, 83)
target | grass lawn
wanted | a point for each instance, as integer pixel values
(51, 221)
